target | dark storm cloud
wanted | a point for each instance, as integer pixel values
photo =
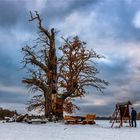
(9, 70)
(12, 98)
(14, 26)
(17, 12)
(61, 9)
(118, 15)
(120, 74)
(116, 67)
(10, 11)
(14, 15)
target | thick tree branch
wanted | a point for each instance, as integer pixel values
(36, 82)
(32, 59)
(37, 17)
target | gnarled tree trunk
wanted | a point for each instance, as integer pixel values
(48, 108)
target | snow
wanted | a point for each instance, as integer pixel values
(61, 131)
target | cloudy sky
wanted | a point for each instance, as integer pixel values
(112, 28)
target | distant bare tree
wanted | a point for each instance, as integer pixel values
(64, 78)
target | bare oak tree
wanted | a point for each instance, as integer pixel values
(41, 62)
(66, 77)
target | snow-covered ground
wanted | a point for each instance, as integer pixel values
(61, 131)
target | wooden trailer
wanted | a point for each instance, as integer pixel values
(88, 119)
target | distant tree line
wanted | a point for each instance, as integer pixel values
(6, 113)
(103, 117)
(109, 117)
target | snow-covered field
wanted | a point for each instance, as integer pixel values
(60, 131)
